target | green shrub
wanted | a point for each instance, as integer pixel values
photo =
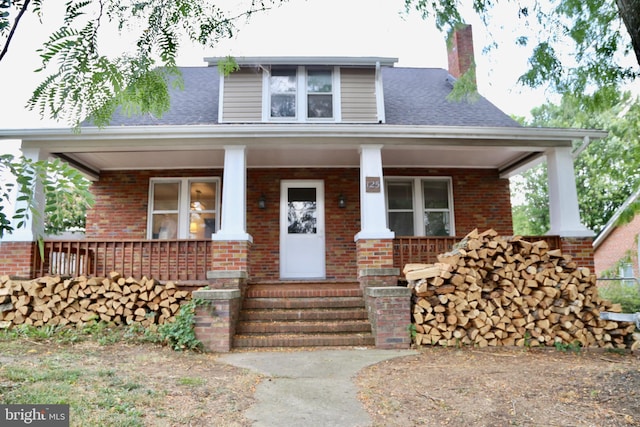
(622, 292)
(180, 334)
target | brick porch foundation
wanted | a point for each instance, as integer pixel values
(230, 264)
(375, 263)
(217, 317)
(16, 259)
(389, 310)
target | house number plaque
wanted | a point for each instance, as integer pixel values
(373, 184)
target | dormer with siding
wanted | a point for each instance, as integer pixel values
(303, 90)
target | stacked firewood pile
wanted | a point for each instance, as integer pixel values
(497, 291)
(57, 301)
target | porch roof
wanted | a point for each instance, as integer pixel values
(299, 145)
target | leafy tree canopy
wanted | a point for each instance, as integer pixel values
(607, 172)
(586, 48)
(65, 189)
(83, 83)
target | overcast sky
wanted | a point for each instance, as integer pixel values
(301, 27)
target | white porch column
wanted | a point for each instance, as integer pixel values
(372, 200)
(34, 225)
(233, 224)
(564, 211)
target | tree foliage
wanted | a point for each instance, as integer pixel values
(607, 172)
(66, 194)
(83, 83)
(581, 47)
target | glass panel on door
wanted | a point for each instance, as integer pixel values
(302, 211)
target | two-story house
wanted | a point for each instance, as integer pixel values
(323, 168)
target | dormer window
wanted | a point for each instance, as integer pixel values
(319, 94)
(302, 94)
(282, 87)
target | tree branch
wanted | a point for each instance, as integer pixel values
(630, 14)
(5, 49)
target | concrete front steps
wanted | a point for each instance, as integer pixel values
(303, 314)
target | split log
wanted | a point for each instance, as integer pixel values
(492, 290)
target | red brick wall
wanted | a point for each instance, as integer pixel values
(121, 207)
(615, 247)
(375, 253)
(482, 199)
(16, 258)
(231, 255)
(389, 312)
(580, 248)
(341, 223)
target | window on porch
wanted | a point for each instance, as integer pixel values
(420, 206)
(183, 208)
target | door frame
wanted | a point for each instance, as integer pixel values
(318, 184)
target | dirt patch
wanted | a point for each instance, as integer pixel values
(438, 387)
(503, 387)
(187, 388)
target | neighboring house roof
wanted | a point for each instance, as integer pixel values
(412, 96)
(611, 224)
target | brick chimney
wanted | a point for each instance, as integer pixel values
(460, 51)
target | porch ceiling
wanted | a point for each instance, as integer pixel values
(289, 156)
(299, 145)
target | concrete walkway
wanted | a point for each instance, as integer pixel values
(309, 388)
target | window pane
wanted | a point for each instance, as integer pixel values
(319, 81)
(436, 224)
(165, 196)
(400, 195)
(201, 225)
(320, 106)
(283, 81)
(283, 105)
(165, 226)
(202, 196)
(282, 86)
(436, 194)
(401, 223)
(302, 211)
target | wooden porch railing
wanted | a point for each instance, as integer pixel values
(160, 259)
(426, 249)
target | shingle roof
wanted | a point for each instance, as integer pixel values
(413, 96)
(418, 96)
(195, 104)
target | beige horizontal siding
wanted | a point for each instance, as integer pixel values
(242, 99)
(358, 95)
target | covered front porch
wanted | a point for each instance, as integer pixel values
(189, 261)
(348, 165)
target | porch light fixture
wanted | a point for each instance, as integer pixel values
(342, 203)
(262, 202)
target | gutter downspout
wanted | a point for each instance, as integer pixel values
(379, 94)
(586, 141)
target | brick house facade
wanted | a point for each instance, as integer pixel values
(382, 149)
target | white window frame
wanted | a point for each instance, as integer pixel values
(183, 210)
(418, 201)
(301, 96)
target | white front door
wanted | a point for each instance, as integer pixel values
(302, 247)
